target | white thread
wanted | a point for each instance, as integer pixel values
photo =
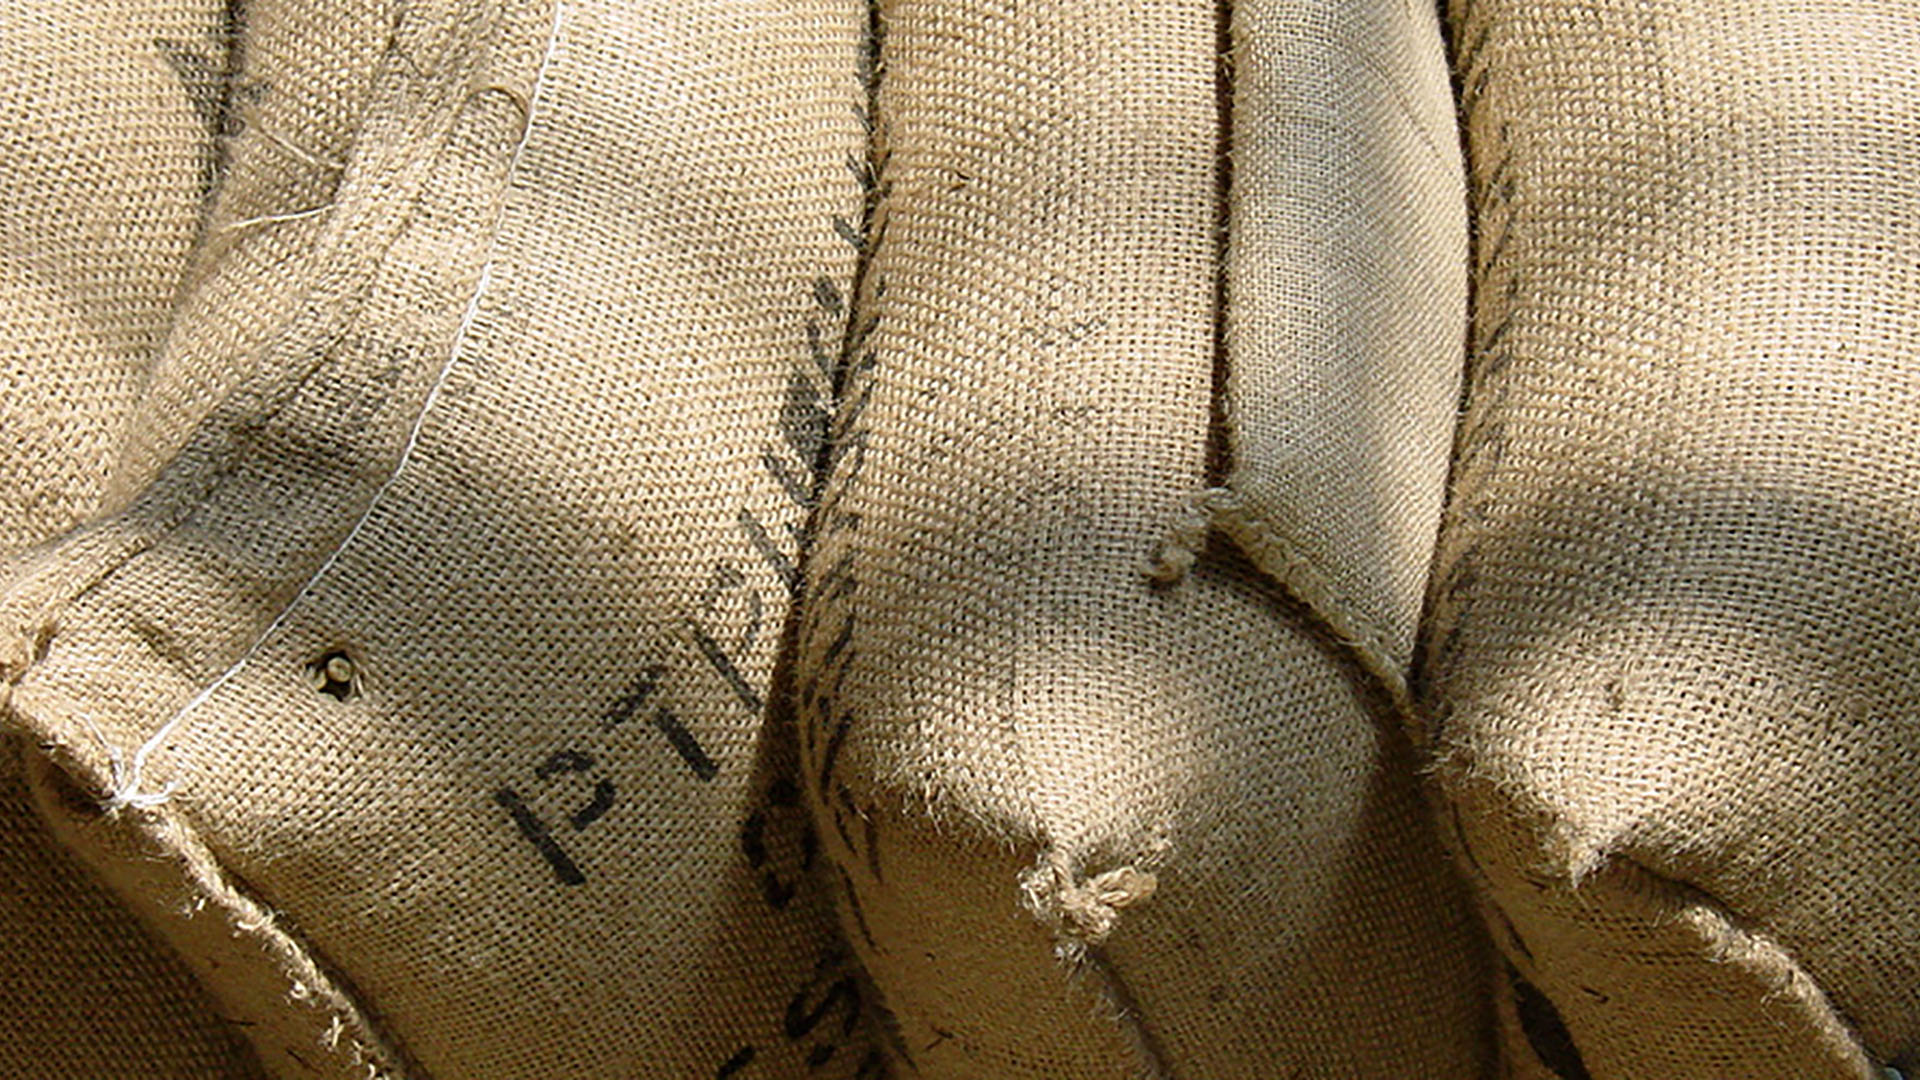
(125, 779)
(272, 219)
(126, 783)
(289, 148)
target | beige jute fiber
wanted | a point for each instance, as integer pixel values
(1109, 796)
(1674, 658)
(107, 152)
(106, 148)
(295, 80)
(1346, 313)
(88, 991)
(420, 684)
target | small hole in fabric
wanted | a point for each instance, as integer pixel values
(335, 675)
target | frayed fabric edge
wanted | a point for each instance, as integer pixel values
(1227, 512)
(162, 836)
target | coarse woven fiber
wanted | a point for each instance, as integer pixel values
(89, 992)
(1090, 825)
(104, 147)
(1534, 1042)
(426, 663)
(1346, 306)
(285, 86)
(1673, 663)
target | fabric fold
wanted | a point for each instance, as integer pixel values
(1670, 658)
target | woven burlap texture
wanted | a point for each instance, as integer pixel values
(1091, 823)
(425, 660)
(1346, 308)
(106, 148)
(1675, 645)
(89, 991)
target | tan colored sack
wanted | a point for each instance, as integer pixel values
(297, 80)
(1675, 648)
(87, 991)
(1091, 825)
(429, 680)
(106, 146)
(105, 152)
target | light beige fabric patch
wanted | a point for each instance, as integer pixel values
(1093, 825)
(432, 643)
(1347, 299)
(107, 143)
(1675, 648)
(107, 150)
(294, 81)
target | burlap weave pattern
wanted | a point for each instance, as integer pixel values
(285, 86)
(106, 146)
(1675, 647)
(1091, 825)
(88, 991)
(107, 151)
(431, 643)
(601, 539)
(1346, 306)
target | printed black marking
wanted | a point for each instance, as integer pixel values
(835, 744)
(791, 483)
(636, 697)
(827, 295)
(782, 567)
(685, 744)
(802, 1017)
(603, 793)
(803, 417)
(563, 761)
(535, 831)
(723, 664)
(848, 233)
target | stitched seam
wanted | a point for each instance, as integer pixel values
(126, 788)
(174, 499)
(1282, 560)
(168, 829)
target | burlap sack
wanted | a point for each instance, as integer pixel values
(1675, 646)
(1091, 825)
(425, 664)
(106, 146)
(296, 80)
(87, 991)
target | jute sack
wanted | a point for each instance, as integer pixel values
(294, 82)
(105, 148)
(418, 685)
(106, 156)
(1674, 655)
(88, 991)
(1090, 824)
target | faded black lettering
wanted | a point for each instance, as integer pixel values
(685, 744)
(535, 830)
